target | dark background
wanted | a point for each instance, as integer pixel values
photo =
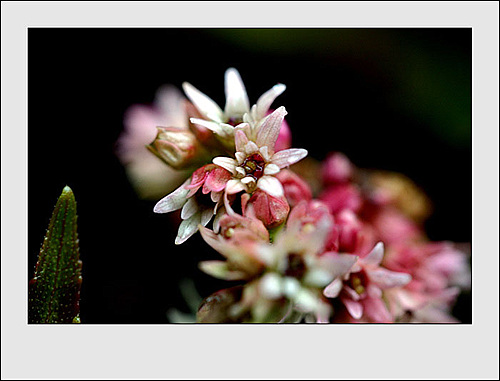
(394, 99)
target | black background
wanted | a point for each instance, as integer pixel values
(394, 99)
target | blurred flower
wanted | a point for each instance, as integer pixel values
(438, 272)
(150, 177)
(361, 289)
(336, 169)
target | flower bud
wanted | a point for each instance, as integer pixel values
(272, 211)
(337, 169)
(177, 147)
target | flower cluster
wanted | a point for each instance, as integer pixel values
(351, 248)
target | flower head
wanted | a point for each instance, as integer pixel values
(255, 162)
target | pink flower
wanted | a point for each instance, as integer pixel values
(237, 109)
(256, 163)
(341, 197)
(437, 270)
(198, 208)
(361, 290)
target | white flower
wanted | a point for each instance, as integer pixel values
(256, 164)
(237, 109)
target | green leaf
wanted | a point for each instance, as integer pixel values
(54, 291)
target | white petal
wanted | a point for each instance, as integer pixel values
(240, 157)
(240, 171)
(226, 163)
(234, 186)
(270, 129)
(215, 196)
(388, 279)
(270, 185)
(204, 104)
(266, 99)
(174, 200)
(271, 169)
(187, 228)
(212, 126)
(288, 157)
(206, 216)
(189, 208)
(236, 96)
(247, 180)
(375, 256)
(337, 264)
(265, 153)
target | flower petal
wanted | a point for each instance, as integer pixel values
(271, 169)
(355, 309)
(189, 208)
(173, 201)
(333, 289)
(234, 186)
(206, 216)
(266, 99)
(217, 179)
(337, 264)
(227, 163)
(204, 104)
(270, 128)
(240, 140)
(387, 279)
(236, 96)
(375, 256)
(187, 228)
(288, 157)
(219, 269)
(270, 185)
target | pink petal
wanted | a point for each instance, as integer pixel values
(377, 311)
(240, 140)
(217, 179)
(355, 309)
(269, 131)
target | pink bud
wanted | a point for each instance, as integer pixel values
(295, 188)
(337, 168)
(272, 211)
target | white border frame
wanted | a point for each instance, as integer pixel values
(226, 352)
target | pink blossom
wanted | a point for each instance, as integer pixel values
(342, 196)
(361, 289)
(336, 169)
